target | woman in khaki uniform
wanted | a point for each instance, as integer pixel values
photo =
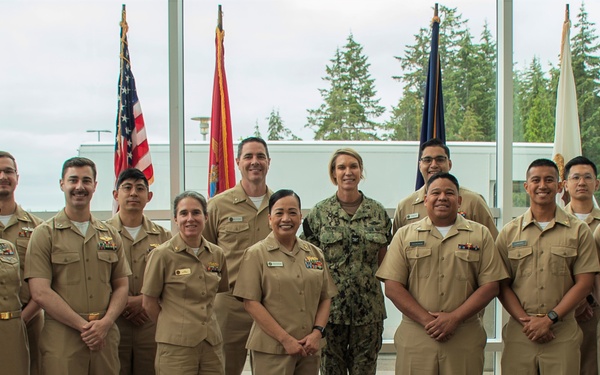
(287, 290)
(14, 355)
(182, 278)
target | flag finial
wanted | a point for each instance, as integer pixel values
(220, 18)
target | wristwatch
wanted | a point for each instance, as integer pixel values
(320, 329)
(552, 315)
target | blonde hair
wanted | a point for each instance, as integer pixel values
(345, 151)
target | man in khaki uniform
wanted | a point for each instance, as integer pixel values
(237, 219)
(551, 259)
(14, 355)
(16, 226)
(435, 157)
(77, 273)
(440, 272)
(581, 182)
(137, 348)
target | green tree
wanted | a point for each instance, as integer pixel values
(469, 80)
(536, 110)
(350, 106)
(257, 130)
(276, 131)
(586, 70)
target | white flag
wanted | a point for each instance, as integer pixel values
(567, 138)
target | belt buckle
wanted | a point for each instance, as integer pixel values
(540, 315)
(6, 315)
(93, 316)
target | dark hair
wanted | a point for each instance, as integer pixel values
(249, 140)
(579, 160)
(78, 162)
(282, 194)
(133, 174)
(444, 175)
(542, 163)
(6, 154)
(190, 194)
(434, 142)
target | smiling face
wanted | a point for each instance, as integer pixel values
(190, 219)
(79, 186)
(434, 160)
(285, 217)
(132, 195)
(442, 202)
(542, 185)
(347, 172)
(253, 162)
(9, 177)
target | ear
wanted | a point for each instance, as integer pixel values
(115, 195)
(150, 195)
(561, 186)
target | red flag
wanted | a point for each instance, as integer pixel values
(221, 175)
(131, 145)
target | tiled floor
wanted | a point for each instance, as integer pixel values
(385, 365)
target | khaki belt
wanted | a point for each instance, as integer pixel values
(10, 315)
(92, 316)
(538, 315)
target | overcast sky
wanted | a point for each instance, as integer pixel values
(59, 70)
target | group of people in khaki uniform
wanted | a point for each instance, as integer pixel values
(236, 277)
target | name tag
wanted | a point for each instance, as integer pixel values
(519, 243)
(417, 243)
(183, 271)
(235, 219)
(274, 264)
(412, 216)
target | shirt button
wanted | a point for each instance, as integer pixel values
(442, 276)
(442, 293)
(203, 293)
(542, 287)
(89, 278)
(443, 258)
(301, 292)
(541, 270)
(91, 296)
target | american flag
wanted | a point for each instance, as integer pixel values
(131, 145)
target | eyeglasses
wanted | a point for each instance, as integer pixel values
(8, 171)
(586, 178)
(438, 159)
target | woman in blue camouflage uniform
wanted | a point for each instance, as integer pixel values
(353, 231)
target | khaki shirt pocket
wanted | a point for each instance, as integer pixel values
(466, 264)
(521, 260)
(106, 258)
(66, 268)
(419, 260)
(562, 259)
(234, 228)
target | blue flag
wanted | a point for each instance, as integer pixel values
(433, 109)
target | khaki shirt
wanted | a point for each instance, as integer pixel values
(80, 268)
(473, 207)
(234, 224)
(18, 230)
(441, 273)
(289, 285)
(10, 280)
(186, 286)
(542, 264)
(137, 250)
(593, 219)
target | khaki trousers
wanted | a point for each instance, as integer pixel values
(235, 324)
